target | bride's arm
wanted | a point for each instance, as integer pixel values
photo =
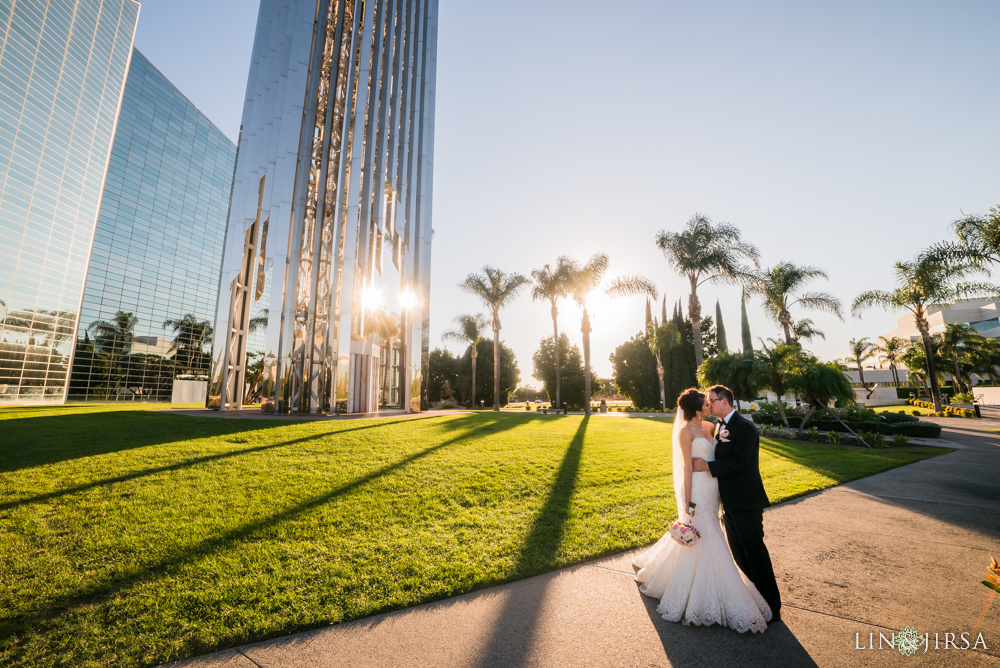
(686, 439)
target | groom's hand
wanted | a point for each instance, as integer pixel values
(698, 465)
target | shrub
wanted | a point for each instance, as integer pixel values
(811, 434)
(900, 439)
(872, 438)
(963, 398)
(834, 437)
(916, 412)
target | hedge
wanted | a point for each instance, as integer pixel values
(917, 428)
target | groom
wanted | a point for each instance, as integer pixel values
(742, 493)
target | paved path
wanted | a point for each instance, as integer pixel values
(904, 547)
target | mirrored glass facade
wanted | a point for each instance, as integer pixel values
(63, 65)
(154, 270)
(329, 233)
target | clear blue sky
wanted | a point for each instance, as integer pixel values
(842, 135)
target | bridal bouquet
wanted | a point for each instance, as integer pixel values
(683, 532)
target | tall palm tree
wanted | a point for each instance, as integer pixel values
(497, 289)
(861, 350)
(806, 329)
(584, 281)
(890, 350)
(956, 340)
(781, 288)
(469, 329)
(190, 337)
(551, 285)
(927, 279)
(705, 252)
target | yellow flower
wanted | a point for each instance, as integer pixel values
(994, 566)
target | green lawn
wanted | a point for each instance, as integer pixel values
(134, 538)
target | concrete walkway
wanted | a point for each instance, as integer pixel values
(902, 548)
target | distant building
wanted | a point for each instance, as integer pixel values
(153, 277)
(62, 70)
(982, 314)
(329, 235)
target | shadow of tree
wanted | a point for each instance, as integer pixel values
(512, 636)
(185, 464)
(49, 608)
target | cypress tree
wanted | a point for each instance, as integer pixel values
(720, 330)
(663, 316)
(745, 325)
(649, 314)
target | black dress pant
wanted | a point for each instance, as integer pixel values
(745, 532)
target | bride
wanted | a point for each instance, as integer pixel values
(700, 583)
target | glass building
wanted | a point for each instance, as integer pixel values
(151, 286)
(329, 232)
(62, 68)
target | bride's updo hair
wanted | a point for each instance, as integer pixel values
(690, 402)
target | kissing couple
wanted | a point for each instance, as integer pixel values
(698, 581)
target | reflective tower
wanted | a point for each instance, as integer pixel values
(62, 71)
(329, 233)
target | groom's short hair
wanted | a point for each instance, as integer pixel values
(723, 392)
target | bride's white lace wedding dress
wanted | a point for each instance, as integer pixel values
(700, 584)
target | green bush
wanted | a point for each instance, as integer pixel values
(811, 434)
(834, 437)
(900, 439)
(873, 438)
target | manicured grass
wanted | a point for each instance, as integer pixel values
(132, 538)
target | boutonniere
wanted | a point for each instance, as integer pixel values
(723, 434)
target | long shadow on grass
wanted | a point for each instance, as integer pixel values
(39, 441)
(515, 626)
(90, 596)
(191, 462)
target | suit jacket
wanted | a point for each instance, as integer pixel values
(737, 466)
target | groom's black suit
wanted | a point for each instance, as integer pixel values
(737, 467)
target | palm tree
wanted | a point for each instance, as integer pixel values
(986, 359)
(586, 279)
(890, 350)
(956, 339)
(190, 337)
(258, 321)
(656, 336)
(781, 288)
(115, 335)
(861, 350)
(705, 252)
(979, 238)
(551, 285)
(469, 330)
(806, 329)
(497, 289)
(775, 363)
(928, 279)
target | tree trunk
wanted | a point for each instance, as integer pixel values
(958, 373)
(802, 425)
(781, 411)
(496, 363)
(861, 375)
(928, 354)
(475, 353)
(694, 312)
(785, 318)
(555, 339)
(585, 329)
(663, 392)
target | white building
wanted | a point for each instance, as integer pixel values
(981, 314)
